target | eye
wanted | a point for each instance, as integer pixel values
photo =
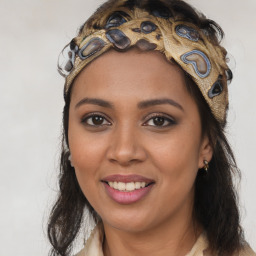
(160, 121)
(95, 120)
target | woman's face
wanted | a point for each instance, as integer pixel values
(135, 139)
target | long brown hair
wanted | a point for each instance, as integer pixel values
(216, 203)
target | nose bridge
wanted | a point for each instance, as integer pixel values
(125, 144)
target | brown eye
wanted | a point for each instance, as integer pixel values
(160, 121)
(95, 120)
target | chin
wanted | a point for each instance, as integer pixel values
(128, 221)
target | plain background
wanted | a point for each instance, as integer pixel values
(33, 32)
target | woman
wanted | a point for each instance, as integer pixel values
(143, 145)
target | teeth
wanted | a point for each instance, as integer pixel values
(115, 185)
(121, 186)
(130, 186)
(137, 185)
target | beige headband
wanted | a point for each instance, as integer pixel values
(180, 41)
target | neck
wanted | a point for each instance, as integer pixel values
(172, 238)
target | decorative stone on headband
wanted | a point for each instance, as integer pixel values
(179, 41)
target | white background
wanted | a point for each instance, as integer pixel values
(32, 33)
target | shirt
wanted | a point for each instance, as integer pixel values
(93, 245)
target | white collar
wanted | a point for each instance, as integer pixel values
(93, 245)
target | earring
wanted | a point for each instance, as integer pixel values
(206, 165)
(70, 160)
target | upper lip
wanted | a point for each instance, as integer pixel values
(127, 178)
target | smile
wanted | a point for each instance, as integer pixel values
(127, 189)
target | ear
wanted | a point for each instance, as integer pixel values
(206, 152)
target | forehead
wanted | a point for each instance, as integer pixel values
(132, 71)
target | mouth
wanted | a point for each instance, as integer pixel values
(127, 189)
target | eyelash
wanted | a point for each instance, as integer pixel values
(168, 119)
(90, 116)
(159, 115)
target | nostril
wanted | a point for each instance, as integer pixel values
(126, 147)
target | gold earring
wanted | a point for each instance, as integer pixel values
(206, 165)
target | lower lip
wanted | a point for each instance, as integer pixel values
(127, 197)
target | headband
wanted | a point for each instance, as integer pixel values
(181, 42)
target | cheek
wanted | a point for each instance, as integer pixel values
(87, 148)
(87, 155)
(178, 151)
(177, 161)
(178, 172)
(87, 158)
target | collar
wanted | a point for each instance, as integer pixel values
(93, 245)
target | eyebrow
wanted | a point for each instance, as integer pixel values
(154, 102)
(94, 101)
(141, 105)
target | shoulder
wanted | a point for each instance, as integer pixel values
(247, 251)
(93, 246)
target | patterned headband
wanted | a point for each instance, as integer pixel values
(183, 42)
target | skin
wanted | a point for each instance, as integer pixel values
(130, 141)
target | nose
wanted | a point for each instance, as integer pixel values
(126, 147)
